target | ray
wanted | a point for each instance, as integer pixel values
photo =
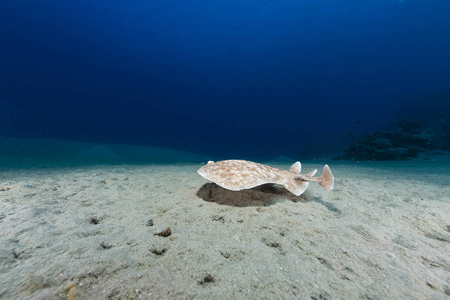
(238, 175)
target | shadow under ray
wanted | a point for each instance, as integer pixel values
(264, 195)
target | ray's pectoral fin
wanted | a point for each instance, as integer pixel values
(295, 186)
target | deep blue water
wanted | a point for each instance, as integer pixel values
(231, 78)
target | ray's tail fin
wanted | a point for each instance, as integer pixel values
(326, 179)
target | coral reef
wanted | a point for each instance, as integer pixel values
(407, 141)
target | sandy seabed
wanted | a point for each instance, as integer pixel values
(162, 231)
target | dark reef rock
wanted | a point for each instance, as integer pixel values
(407, 141)
(442, 136)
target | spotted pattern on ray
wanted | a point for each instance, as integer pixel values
(238, 174)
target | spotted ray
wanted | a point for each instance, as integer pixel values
(239, 175)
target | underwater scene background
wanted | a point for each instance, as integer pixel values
(126, 128)
(250, 79)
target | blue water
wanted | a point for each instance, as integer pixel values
(223, 78)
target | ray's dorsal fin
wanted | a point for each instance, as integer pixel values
(312, 173)
(296, 168)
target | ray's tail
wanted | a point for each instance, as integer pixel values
(326, 179)
(298, 183)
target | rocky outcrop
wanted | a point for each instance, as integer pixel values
(407, 141)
